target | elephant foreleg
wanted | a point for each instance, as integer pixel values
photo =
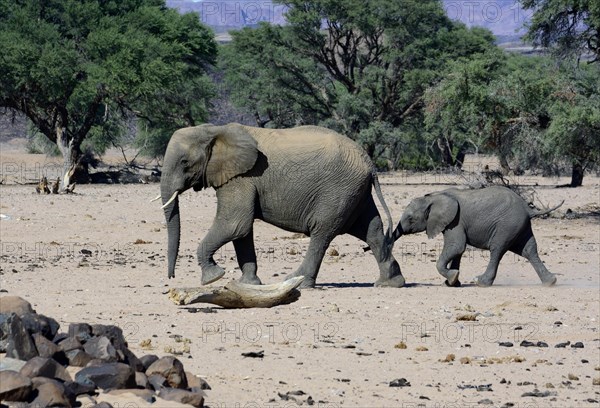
(246, 256)
(214, 240)
(455, 243)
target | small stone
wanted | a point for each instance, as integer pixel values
(37, 323)
(157, 382)
(101, 348)
(506, 344)
(50, 394)
(596, 381)
(577, 345)
(19, 344)
(147, 360)
(527, 343)
(486, 401)
(465, 360)
(541, 344)
(449, 358)
(572, 377)
(11, 364)
(170, 368)
(562, 345)
(400, 382)
(194, 399)
(195, 382)
(108, 376)
(503, 381)
(14, 386)
(45, 367)
(15, 304)
(549, 385)
(78, 358)
(81, 331)
(45, 347)
(538, 394)
(401, 345)
(70, 343)
(141, 380)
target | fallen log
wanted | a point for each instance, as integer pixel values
(236, 295)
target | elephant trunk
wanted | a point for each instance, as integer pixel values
(173, 227)
(398, 232)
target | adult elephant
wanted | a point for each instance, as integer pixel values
(307, 179)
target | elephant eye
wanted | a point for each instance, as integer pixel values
(184, 162)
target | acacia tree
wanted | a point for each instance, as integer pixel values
(358, 67)
(78, 68)
(569, 27)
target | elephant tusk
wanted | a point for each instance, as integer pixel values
(173, 197)
(156, 198)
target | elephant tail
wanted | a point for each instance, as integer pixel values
(533, 213)
(377, 186)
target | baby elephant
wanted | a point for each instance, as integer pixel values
(494, 218)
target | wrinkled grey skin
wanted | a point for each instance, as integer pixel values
(493, 218)
(308, 179)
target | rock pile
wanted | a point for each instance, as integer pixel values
(45, 367)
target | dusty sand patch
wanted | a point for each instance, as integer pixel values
(336, 344)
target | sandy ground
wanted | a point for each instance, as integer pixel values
(339, 345)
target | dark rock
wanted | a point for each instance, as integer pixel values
(541, 344)
(182, 396)
(14, 386)
(157, 382)
(12, 364)
(196, 383)
(538, 394)
(50, 394)
(48, 349)
(70, 343)
(146, 395)
(503, 381)
(37, 323)
(45, 367)
(577, 345)
(170, 368)
(108, 376)
(148, 360)
(506, 344)
(101, 348)
(19, 344)
(141, 380)
(78, 358)
(81, 331)
(527, 343)
(60, 337)
(75, 388)
(486, 401)
(400, 382)
(15, 304)
(117, 339)
(562, 345)
(254, 354)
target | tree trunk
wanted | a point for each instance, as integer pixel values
(445, 147)
(577, 174)
(73, 169)
(460, 156)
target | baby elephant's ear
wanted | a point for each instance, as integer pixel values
(233, 152)
(442, 211)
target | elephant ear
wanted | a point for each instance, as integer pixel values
(233, 151)
(441, 212)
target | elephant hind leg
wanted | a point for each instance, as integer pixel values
(529, 251)
(368, 227)
(312, 260)
(246, 256)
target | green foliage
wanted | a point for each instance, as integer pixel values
(357, 67)
(85, 66)
(570, 27)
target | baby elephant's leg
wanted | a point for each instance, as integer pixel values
(530, 252)
(455, 243)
